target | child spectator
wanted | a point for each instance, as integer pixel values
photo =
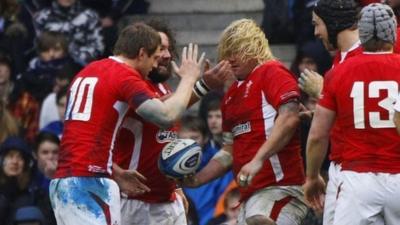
(52, 49)
(46, 154)
(8, 124)
(16, 167)
(206, 196)
(49, 112)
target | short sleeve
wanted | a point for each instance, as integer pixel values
(327, 97)
(280, 87)
(134, 90)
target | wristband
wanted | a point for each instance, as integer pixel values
(200, 88)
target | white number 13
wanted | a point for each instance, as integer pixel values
(357, 93)
(77, 92)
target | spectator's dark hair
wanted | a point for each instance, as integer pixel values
(68, 71)
(214, 104)
(134, 37)
(51, 39)
(163, 27)
(61, 93)
(45, 136)
(205, 102)
(193, 123)
(5, 60)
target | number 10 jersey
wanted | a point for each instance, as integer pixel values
(98, 98)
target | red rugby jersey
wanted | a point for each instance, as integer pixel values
(362, 91)
(249, 110)
(98, 98)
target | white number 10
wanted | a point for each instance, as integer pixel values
(77, 92)
(357, 93)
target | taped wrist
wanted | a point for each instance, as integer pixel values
(200, 88)
(223, 157)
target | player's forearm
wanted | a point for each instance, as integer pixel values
(213, 170)
(318, 139)
(164, 114)
(316, 152)
(179, 101)
(284, 128)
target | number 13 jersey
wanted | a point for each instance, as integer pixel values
(98, 98)
(362, 92)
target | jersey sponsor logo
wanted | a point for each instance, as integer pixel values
(164, 136)
(96, 169)
(241, 129)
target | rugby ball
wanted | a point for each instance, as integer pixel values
(179, 158)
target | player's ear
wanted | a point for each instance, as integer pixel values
(142, 53)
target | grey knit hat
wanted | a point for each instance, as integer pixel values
(377, 22)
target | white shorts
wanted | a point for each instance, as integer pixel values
(135, 212)
(85, 201)
(368, 198)
(283, 204)
(332, 189)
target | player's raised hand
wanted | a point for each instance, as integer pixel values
(190, 65)
(311, 83)
(216, 77)
(130, 182)
(248, 171)
(314, 193)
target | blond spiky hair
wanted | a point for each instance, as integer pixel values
(245, 39)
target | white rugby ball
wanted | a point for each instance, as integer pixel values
(179, 158)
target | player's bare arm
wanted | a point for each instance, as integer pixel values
(165, 113)
(130, 182)
(216, 167)
(311, 83)
(317, 146)
(285, 126)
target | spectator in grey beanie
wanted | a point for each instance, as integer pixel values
(337, 15)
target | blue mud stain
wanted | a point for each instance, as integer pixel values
(78, 191)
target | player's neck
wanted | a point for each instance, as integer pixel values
(133, 63)
(346, 39)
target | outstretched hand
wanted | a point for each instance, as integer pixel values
(190, 65)
(216, 77)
